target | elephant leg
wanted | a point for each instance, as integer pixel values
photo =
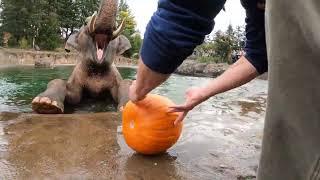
(51, 101)
(74, 93)
(123, 93)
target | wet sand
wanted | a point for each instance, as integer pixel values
(91, 146)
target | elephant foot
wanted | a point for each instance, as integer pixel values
(45, 105)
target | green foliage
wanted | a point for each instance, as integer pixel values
(208, 59)
(136, 43)
(219, 47)
(130, 28)
(123, 6)
(26, 20)
(23, 43)
(44, 22)
(48, 23)
(206, 49)
(135, 56)
(48, 38)
(223, 44)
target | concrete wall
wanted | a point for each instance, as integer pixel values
(25, 57)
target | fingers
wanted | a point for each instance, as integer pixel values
(133, 95)
(132, 92)
(180, 108)
(180, 118)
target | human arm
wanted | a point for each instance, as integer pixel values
(173, 32)
(146, 81)
(249, 66)
(236, 75)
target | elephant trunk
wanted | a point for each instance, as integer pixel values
(105, 21)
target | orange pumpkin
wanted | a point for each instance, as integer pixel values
(147, 127)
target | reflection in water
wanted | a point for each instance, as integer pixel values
(19, 85)
(256, 105)
(220, 140)
(78, 146)
(63, 146)
(150, 167)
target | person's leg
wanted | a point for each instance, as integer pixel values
(291, 143)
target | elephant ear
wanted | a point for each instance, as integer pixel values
(123, 44)
(72, 42)
(117, 47)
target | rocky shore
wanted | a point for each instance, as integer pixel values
(51, 58)
(194, 68)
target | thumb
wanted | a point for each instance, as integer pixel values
(178, 108)
(180, 118)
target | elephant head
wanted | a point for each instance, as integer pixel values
(93, 40)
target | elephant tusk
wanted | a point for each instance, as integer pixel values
(119, 30)
(92, 23)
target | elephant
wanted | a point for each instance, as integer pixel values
(97, 43)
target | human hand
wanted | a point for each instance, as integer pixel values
(133, 95)
(194, 96)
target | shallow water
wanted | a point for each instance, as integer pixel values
(220, 140)
(19, 85)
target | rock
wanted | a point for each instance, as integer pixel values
(187, 68)
(263, 76)
(37, 48)
(199, 67)
(44, 63)
(246, 177)
(223, 166)
(227, 132)
(214, 155)
(194, 68)
(257, 146)
(214, 70)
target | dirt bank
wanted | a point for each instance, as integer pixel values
(29, 57)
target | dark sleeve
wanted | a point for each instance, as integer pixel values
(255, 47)
(175, 29)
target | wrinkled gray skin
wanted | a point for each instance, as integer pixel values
(97, 43)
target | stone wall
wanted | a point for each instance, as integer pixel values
(25, 57)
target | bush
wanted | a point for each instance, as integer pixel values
(48, 38)
(23, 43)
(13, 42)
(135, 56)
(208, 59)
(51, 42)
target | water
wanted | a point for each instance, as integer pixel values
(19, 85)
(221, 138)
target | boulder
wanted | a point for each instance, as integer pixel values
(187, 68)
(214, 70)
(199, 67)
(44, 63)
(37, 48)
(194, 68)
